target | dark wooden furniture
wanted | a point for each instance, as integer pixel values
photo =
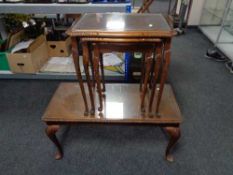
(123, 28)
(66, 107)
(99, 33)
(147, 46)
(145, 6)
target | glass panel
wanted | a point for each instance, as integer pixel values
(228, 23)
(226, 35)
(212, 17)
(121, 22)
(225, 43)
(213, 12)
(212, 21)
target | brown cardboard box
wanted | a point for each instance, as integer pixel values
(15, 38)
(59, 48)
(33, 60)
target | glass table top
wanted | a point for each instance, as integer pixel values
(121, 22)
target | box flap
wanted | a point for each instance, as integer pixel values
(15, 38)
(35, 44)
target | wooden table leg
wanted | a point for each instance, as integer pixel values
(142, 72)
(174, 133)
(148, 61)
(167, 55)
(97, 76)
(102, 71)
(158, 57)
(90, 49)
(145, 6)
(51, 133)
(78, 72)
(86, 69)
(152, 72)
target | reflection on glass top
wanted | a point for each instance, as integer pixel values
(121, 22)
(115, 110)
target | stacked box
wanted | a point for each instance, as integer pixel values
(31, 61)
(59, 48)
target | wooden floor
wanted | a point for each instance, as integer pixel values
(121, 105)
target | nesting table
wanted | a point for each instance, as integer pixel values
(150, 102)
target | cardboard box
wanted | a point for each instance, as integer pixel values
(32, 60)
(59, 48)
(15, 38)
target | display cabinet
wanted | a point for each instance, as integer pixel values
(213, 14)
(225, 41)
(217, 24)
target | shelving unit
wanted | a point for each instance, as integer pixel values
(55, 76)
(54, 8)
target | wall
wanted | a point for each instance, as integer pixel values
(196, 12)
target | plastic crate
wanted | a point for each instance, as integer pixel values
(4, 61)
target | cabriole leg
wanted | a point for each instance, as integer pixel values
(174, 134)
(51, 133)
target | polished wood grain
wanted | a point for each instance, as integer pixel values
(86, 61)
(166, 63)
(106, 45)
(132, 31)
(97, 76)
(142, 72)
(127, 45)
(122, 40)
(121, 105)
(66, 108)
(148, 66)
(155, 75)
(102, 71)
(90, 50)
(51, 133)
(174, 134)
(75, 55)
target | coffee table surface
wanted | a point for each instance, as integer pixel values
(121, 105)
